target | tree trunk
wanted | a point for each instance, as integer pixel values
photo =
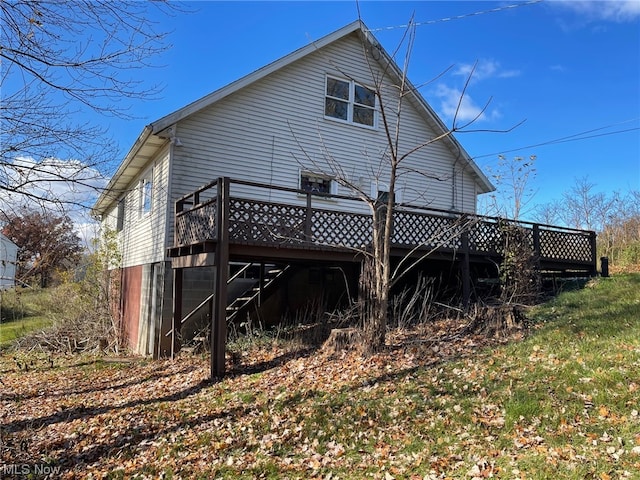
(374, 301)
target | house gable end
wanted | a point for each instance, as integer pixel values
(155, 131)
(275, 131)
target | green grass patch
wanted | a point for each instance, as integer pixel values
(561, 403)
(22, 311)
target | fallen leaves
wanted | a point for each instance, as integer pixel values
(422, 409)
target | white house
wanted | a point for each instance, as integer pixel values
(288, 124)
(8, 258)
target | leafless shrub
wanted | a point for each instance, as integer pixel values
(519, 276)
(78, 327)
(84, 313)
(413, 305)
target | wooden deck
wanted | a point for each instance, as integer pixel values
(308, 228)
(236, 220)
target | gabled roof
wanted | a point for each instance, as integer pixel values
(155, 134)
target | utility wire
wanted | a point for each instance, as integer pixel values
(570, 138)
(458, 17)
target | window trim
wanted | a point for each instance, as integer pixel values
(351, 103)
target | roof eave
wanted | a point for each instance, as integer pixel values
(110, 193)
(262, 72)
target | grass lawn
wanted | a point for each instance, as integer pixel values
(561, 403)
(21, 313)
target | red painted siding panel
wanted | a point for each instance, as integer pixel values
(131, 297)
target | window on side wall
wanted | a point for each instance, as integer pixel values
(120, 217)
(350, 102)
(380, 192)
(317, 183)
(146, 194)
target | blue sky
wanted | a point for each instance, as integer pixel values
(569, 69)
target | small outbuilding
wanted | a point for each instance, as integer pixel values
(8, 259)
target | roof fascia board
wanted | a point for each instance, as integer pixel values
(262, 72)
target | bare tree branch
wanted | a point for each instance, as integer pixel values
(60, 60)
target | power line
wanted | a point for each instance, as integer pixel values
(569, 138)
(459, 17)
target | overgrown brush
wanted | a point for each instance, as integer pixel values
(79, 325)
(84, 313)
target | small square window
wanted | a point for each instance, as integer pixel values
(383, 197)
(314, 183)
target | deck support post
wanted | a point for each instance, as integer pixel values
(604, 267)
(176, 319)
(465, 267)
(219, 313)
(261, 284)
(594, 253)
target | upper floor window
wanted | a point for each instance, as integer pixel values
(346, 100)
(120, 215)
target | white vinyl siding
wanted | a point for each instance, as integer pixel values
(143, 236)
(253, 135)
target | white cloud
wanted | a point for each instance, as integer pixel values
(485, 68)
(62, 186)
(467, 109)
(611, 10)
(52, 180)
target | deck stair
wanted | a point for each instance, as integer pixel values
(250, 285)
(269, 277)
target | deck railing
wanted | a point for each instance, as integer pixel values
(300, 219)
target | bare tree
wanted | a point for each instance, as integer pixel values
(585, 208)
(512, 177)
(60, 60)
(393, 91)
(548, 213)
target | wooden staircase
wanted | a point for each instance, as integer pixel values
(256, 282)
(264, 286)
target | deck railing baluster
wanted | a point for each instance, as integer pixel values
(304, 226)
